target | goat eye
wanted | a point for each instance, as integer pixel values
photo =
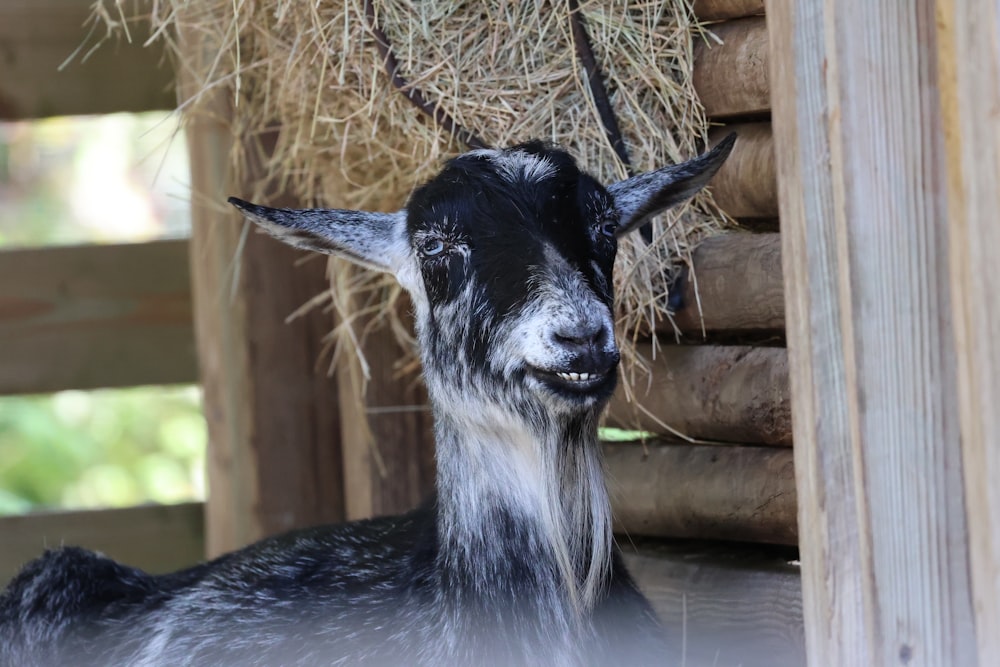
(609, 227)
(432, 247)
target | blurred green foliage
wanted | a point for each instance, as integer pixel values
(105, 448)
(98, 179)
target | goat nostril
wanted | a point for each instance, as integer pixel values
(580, 338)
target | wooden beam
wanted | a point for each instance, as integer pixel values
(388, 444)
(707, 492)
(736, 288)
(870, 335)
(728, 394)
(39, 36)
(273, 420)
(731, 78)
(722, 10)
(969, 78)
(155, 538)
(747, 185)
(83, 317)
(726, 605)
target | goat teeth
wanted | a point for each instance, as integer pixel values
(584, 376)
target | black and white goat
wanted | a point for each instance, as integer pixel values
(508, 256)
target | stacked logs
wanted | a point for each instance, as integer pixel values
(717, 396)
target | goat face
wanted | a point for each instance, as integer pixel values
(508, 257)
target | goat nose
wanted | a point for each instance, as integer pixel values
(580, 338)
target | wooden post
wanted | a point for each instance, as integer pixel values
(274, 458)
(968, 35)
(872, 359)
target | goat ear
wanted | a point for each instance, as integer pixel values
(374, 240)
(640, 197)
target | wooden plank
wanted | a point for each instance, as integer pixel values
(731, 78)
(274, 455)
(722, 10)
(730, 394)
(84, 317)
(38, 36)
(970, 95)
(746, 185)
(708, 492)
(723, 606)
(155, 538)
(864, 228)
(388, 444)
(737, 288)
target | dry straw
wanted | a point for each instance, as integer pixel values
(504, 70)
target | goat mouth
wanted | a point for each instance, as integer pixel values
(576, 384)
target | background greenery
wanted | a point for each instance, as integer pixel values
(116, 178)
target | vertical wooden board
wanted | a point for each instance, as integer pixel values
(968, 41)
(387, 430)
(273, 414)
(878, 464)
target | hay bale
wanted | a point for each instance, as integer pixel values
(505, 71)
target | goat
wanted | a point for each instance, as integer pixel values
(508, 257)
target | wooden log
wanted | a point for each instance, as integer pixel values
(885, 551)
(274, 447)
(388, 444)
(722, 605)
(83, 317)
(970, 95)
(709, 492)
(731, 78)
(724, 10)
(728, 394)
(155, 538)
(38, 36)
(746, 185)
(736, 287)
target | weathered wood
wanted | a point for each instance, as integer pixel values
(728, 394)
(273, 420)
(388, 443)
(969, 78)
(722, 606)
(732, 78)
(38, 36)
(722, 10)
(736, 287)
(83, 317)
(747, 185)
(864, 228)
(709, 492)
(155, 538)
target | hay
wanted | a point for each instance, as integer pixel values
(504, 70)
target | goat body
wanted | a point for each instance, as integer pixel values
(508, 257)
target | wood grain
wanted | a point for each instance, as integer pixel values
(155, 538)
(722, 606)
(969, 79)
(708, 492)
(83, 317)
(388, 443)
(729, 394)
(40, 35)
(274, 448)
(871, 345)
(746, 185)
(736, 287)
(731, 78)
